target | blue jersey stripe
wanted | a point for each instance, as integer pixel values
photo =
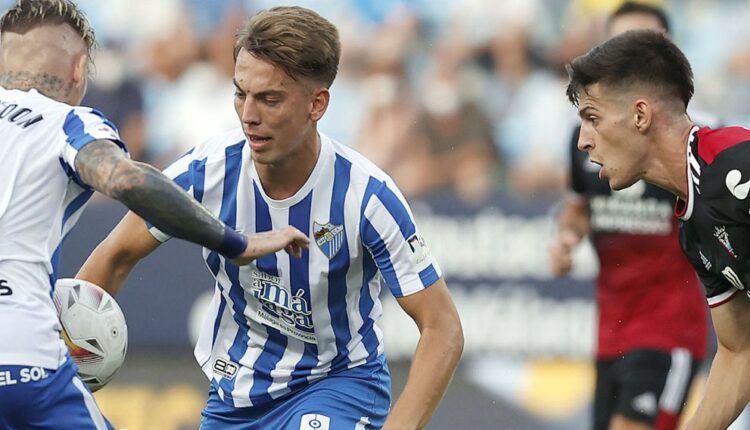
(198, 167)
(339, 265)
(213, 262)
(75, 205)
(299, 269)
(366, 303)
(398, 211)
(74, 129)
(371, 238)
(276, 343)
(228, 214)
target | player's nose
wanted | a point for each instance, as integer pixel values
(250, 113)
(585, 142)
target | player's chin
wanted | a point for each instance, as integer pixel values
(617, 183)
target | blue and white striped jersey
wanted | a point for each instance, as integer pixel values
(41, 198)
(282, 322)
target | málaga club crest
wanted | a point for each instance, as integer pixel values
(329, 237)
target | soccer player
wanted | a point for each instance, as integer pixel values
(294, 343)
(642, 373)
(632, 93)
(53, 154)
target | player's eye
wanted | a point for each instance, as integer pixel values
(239, 94)
(593, 120)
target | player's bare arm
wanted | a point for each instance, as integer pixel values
(438, 352)
(573, 226)
(116, 256)
(728, 387)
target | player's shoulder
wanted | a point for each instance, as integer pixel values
(362, 169)
(220, 145)
(723, 145)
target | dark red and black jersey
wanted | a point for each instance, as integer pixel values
(715, 230)
(648, 295)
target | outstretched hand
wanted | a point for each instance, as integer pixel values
(288, 238)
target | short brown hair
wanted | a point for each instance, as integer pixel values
(635, 57)
(28, 14)
(301, 42)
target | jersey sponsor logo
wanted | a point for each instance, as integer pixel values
(421, 255)
(732, 278)
(281, 310)
(646, 403)
(25, 375)
(738, 189)
(645, 215)
(5, 289)
(721, 234)
(328, 237)
(224, 367)
(315, 422)
(705, 261)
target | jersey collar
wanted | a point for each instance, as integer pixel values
(321, 166)
(683, 209)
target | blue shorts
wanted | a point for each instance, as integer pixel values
(353, 399)
(37, 398)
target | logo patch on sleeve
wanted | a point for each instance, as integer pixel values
(420, 253)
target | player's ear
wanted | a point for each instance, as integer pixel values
(80, 70)
(643, 115)
(319, 104)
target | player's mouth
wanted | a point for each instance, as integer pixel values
(258, 142)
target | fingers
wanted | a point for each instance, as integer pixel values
(560, 252)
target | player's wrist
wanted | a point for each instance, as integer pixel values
(233, 244)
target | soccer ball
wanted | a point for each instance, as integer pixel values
(93, 328)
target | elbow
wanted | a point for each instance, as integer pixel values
(127, 181)
(453, 333)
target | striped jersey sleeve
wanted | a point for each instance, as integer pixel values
(390, 234)
(82, 126)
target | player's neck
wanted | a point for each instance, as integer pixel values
(669, 166)
(47, 84)
(284, 179)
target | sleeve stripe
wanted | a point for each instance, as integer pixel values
(722, 298)
(397, 209)
(75, 131)
(379, 250)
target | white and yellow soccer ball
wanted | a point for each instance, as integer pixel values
(93, 328)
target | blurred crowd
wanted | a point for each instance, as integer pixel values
(464, 98)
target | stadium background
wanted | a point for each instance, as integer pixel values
(462, 102)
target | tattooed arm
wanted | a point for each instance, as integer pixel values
(154, 197)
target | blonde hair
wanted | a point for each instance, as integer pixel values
(301, 42)
(28, 14)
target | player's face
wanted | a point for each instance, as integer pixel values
(276, 111)
(610, 136)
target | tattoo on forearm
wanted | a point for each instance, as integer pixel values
(148, 193)
(49, 85)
